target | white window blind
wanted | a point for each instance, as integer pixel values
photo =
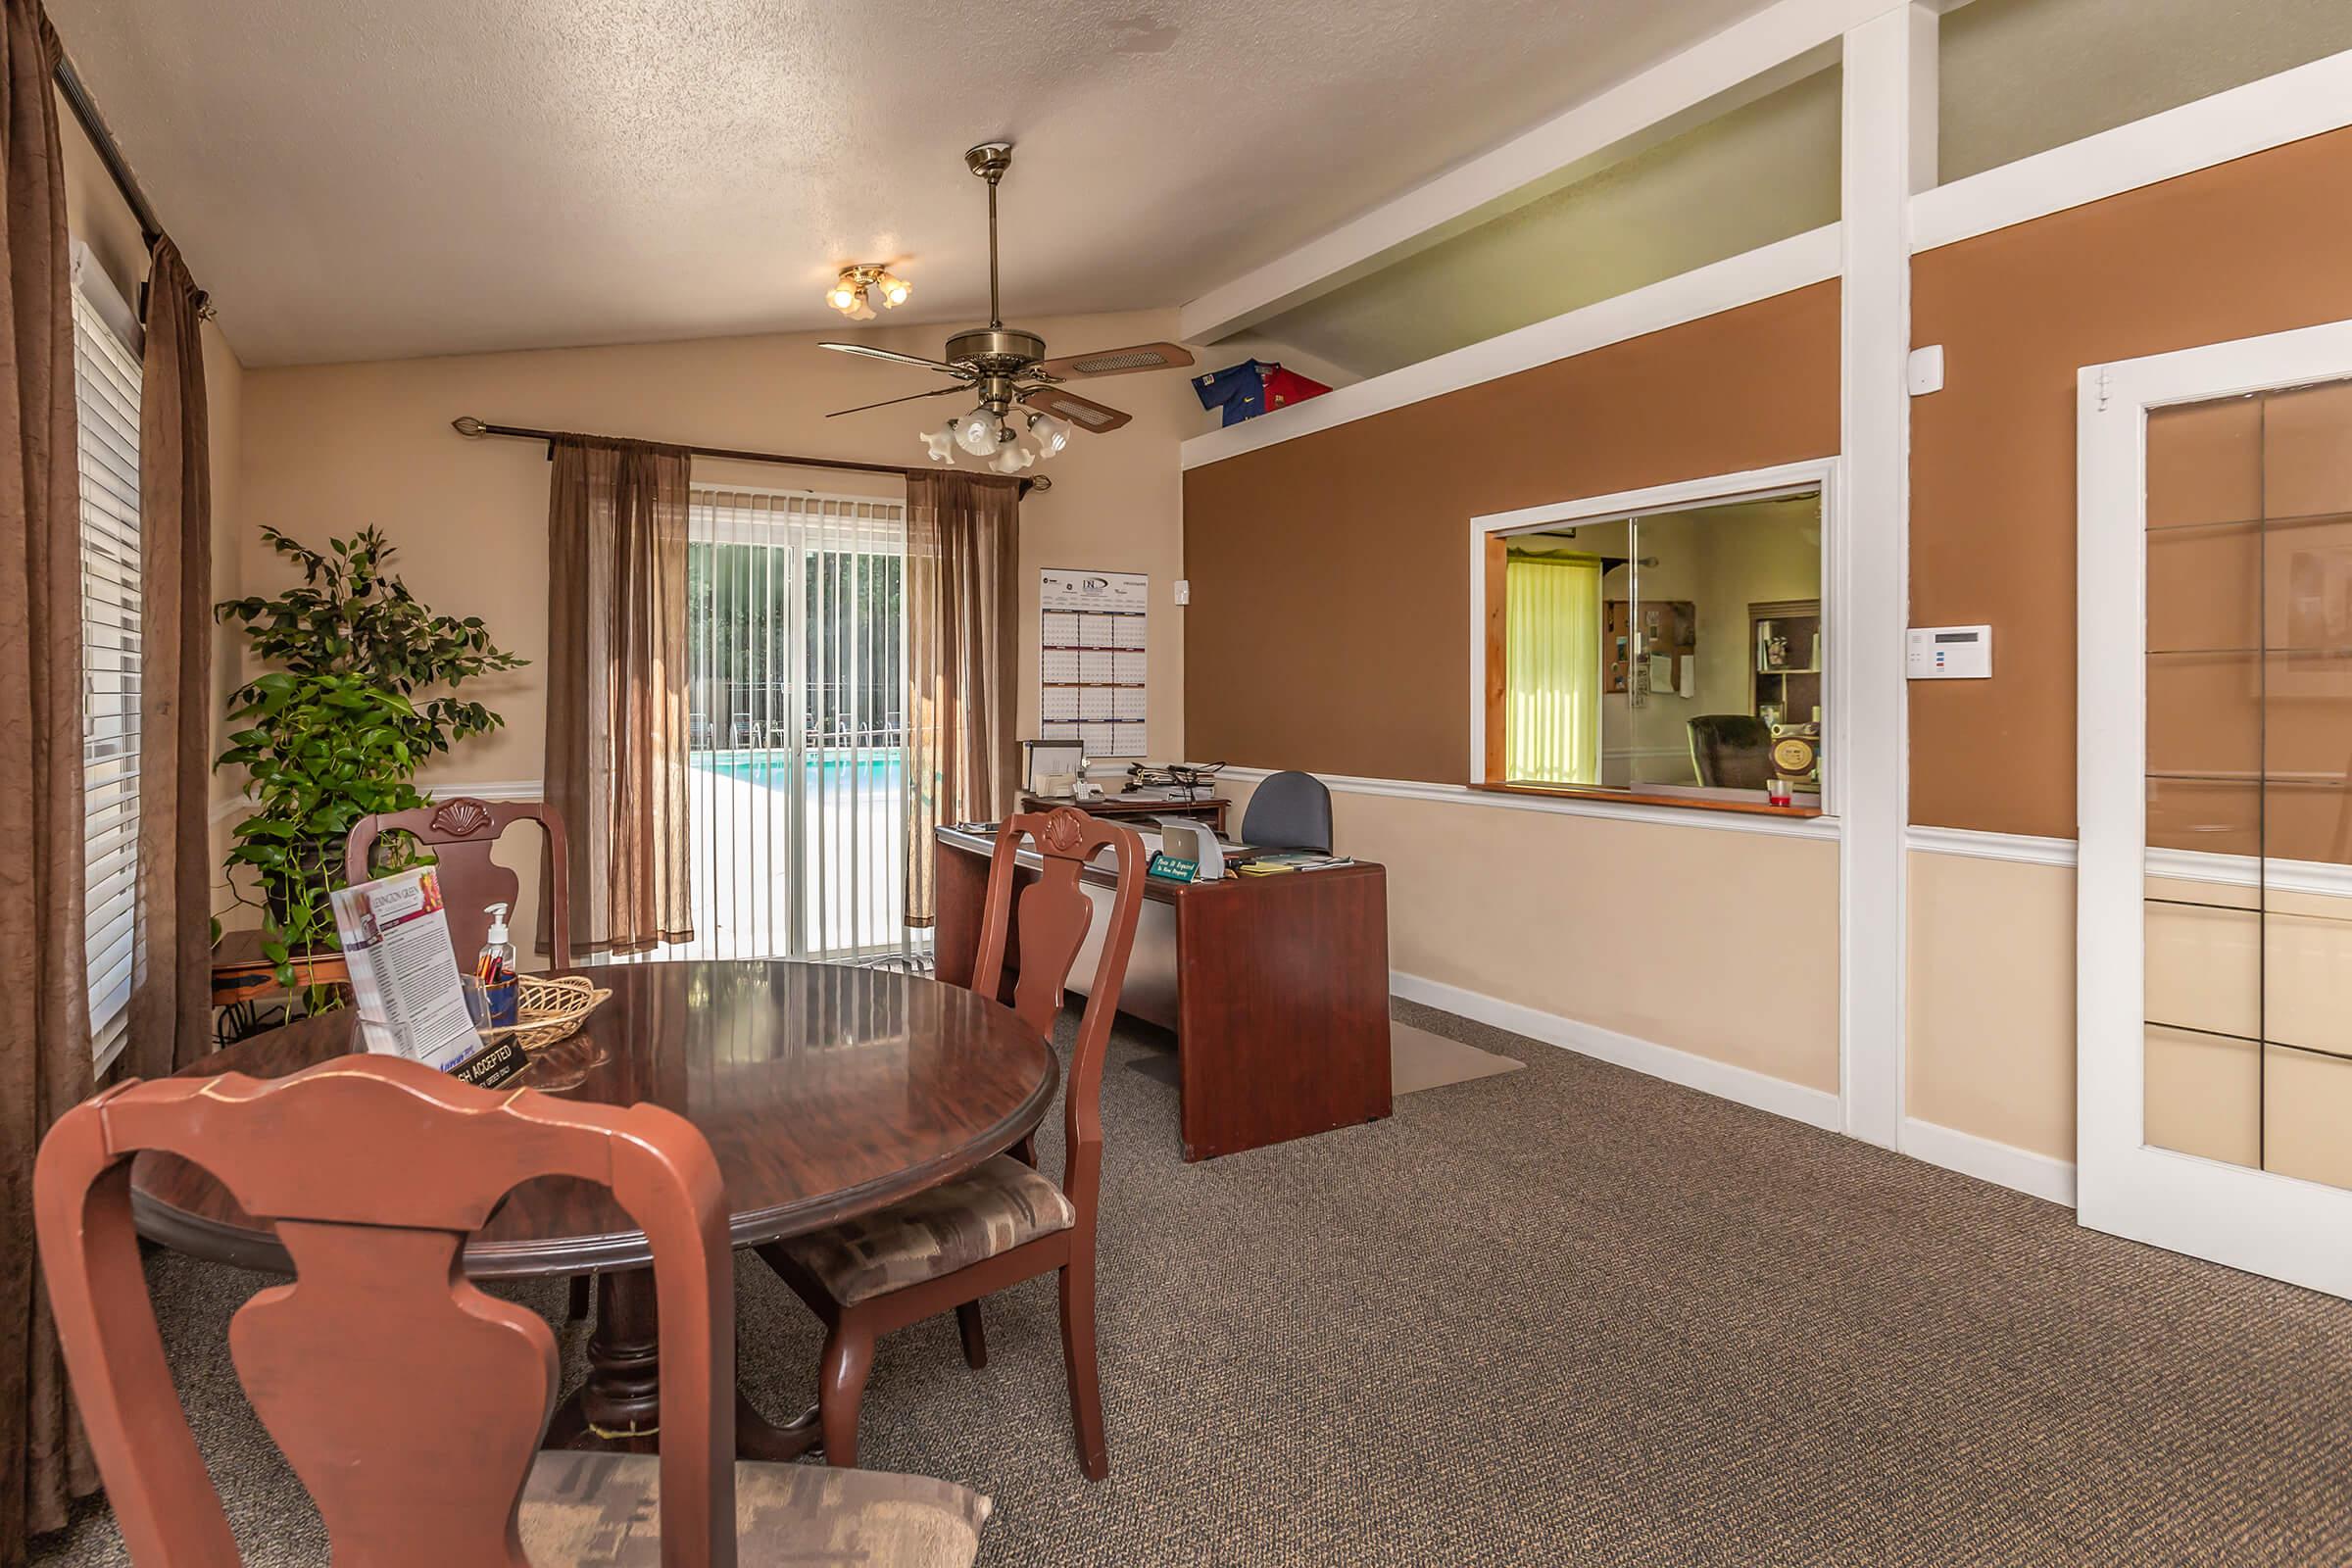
(106, 381)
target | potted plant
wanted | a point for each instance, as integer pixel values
(358, 690)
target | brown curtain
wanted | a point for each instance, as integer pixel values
(44, 1019)
(616, 688)
(170, 1004)
(963, 539)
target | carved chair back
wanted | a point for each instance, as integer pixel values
(460, 832)
(410, 1403)
(1053, 914)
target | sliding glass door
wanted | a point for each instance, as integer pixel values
(796, 680)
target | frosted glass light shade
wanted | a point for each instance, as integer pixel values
(976, 433)
(1051, 434)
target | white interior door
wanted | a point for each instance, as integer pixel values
(2214, 929)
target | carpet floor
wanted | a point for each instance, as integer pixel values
(1566, 1315)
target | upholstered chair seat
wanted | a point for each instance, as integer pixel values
(994, 1207)
(1001, 1223)
(601, 1510)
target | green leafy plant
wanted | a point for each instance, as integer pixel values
(361, 692)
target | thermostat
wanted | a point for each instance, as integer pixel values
(1948, 653)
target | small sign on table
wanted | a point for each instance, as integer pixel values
(1172, 868)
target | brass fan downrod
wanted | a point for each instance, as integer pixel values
(989, 161)
(995, 355)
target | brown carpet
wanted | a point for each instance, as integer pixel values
(1566, 1315)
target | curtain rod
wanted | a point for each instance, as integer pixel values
(474, 429)
(110, 153)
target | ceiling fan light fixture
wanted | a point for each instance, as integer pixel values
(843, 296)
(942, 443)
(895, 290)
(1050, 433)
(977, 432)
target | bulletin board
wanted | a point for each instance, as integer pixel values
(1094, 659)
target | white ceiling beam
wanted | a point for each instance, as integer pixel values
(1776, 46)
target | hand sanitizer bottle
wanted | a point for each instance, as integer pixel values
(495, 967)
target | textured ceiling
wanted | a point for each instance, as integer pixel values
(375, 180)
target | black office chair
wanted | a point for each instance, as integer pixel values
(1288, 811)
(1731, 751)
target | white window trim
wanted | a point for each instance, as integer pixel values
(1728, 489)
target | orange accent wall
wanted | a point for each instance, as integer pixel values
(1330, 619)
(2259, 245)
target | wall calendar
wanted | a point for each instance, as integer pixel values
(1093, 659)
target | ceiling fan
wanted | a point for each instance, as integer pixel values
(1005, 365)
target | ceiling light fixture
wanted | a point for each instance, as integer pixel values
(851, 295)
(1003, 364)
(987, 435)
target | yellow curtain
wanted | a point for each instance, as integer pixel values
(1551, 687)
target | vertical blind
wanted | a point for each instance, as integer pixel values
(1552, 715)
(106, 382)
(795, 653)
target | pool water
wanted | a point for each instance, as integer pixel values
(772, 769)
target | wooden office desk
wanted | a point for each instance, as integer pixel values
(1120, 807)
(1277, 989)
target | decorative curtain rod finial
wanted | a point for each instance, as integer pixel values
(471, 428)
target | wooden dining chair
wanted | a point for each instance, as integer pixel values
(1002, 1222)
(410, 1403)
(459, 833)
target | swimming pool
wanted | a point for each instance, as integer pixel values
(877, 768)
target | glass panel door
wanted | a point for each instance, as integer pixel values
(2214, 928)
(2248, 921)
(2202, 917)
(2307, 784)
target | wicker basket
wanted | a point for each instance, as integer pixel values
(549, 1008)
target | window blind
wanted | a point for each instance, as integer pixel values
(106, 382)
(796, 661)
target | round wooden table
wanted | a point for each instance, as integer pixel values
(825, 1091)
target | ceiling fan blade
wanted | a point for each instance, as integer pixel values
(896, 358)
(1117, 362)
(935, 392)
(1084, 412)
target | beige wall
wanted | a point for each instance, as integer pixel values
(328, 449)
(1720, 943)
(1992, 1000)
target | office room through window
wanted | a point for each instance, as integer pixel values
(1674, 653)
